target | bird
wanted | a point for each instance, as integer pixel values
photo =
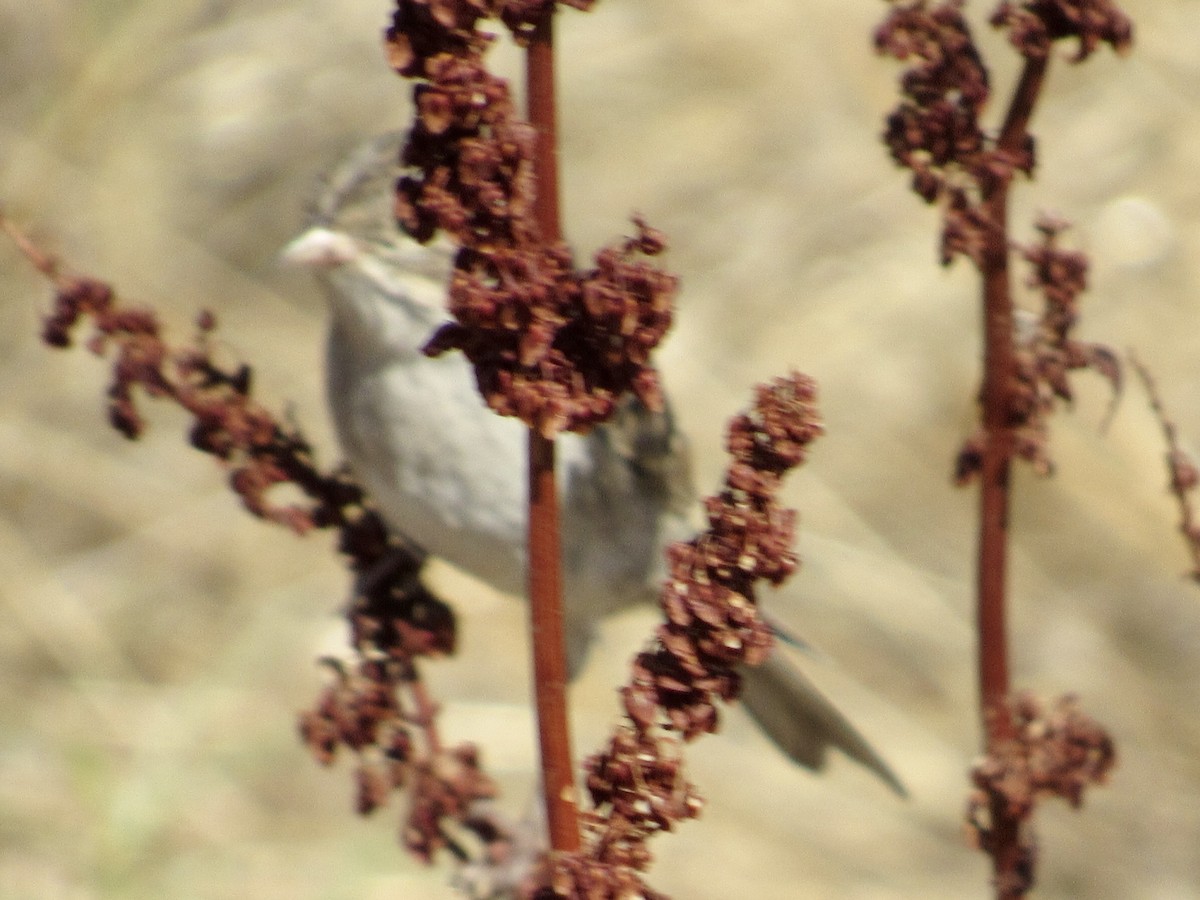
(450, 475)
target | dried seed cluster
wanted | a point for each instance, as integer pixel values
(375, 706)
(935, 131)
(259, 452)
(1033, 25)
(1046, 353)
(397, 749)
(552, 345)
(1056, 751)
(637, 784)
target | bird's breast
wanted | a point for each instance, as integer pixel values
(443, 468)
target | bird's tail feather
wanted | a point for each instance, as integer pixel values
(803, 723)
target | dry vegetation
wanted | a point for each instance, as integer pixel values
(158, 643)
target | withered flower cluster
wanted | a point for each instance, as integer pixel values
(1055, 752)
(378, 709)
(258, 451)
(1034, 25)
(551, 345)
(637, 784)
(1046, 352)
(935, 131)
(376, 706)
(397, 747)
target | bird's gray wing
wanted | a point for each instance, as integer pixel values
(645, 447)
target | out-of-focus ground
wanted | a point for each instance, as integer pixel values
(156, 643)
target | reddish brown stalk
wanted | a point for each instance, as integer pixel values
(545, 557)
(542, 114)
(998, 381)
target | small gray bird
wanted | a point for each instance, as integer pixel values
(450, 474)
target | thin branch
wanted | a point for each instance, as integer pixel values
(1180, 466)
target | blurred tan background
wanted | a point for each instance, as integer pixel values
(156, 643)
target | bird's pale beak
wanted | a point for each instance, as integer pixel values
(319, 248)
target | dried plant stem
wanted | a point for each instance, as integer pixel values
(1182, 469)
(993, 528)
(994, 483)
(545, 557)
(542, 114)
(998, 379)
(998, 421)
(549, 657)
(40, 260)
